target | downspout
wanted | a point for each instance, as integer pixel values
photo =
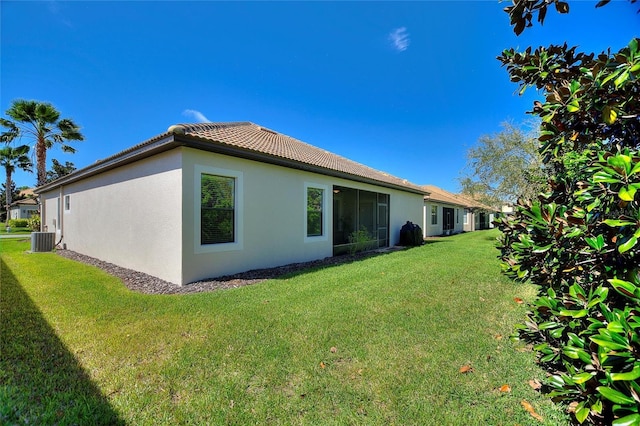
(61, 214)
(42, 213)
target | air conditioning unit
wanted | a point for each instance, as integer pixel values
(42, 241)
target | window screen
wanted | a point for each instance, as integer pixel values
(217, 209)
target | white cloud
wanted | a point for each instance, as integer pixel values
(400, 39)
(56, 10)
(197, 115)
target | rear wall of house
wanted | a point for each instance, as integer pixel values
(271, 215)
(130, 216)
(430, 229)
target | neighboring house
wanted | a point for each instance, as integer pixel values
(477, 215)
(446, 213)
(23, 209)
(212, 199)
(443, 212)
(508, 209)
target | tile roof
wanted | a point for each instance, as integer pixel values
(439, 194)
(252, 137)
(25, 202)
(244, 140)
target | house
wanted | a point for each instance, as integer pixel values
(478, 215)
(23, 209)
(442, 212)
(446, 213)
(212, 199)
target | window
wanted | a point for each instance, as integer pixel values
(217, 209)
(67, 202)
(465, 217)
(457, 215)
(315, 203)
(434, 215)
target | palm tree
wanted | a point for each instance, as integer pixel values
(40, 121)
(10, 158)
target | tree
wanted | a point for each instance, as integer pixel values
(58, 170)
(15, 196)
(10, 158)
(504, 167)
(40, 121)
(579, 240)
(522, 11)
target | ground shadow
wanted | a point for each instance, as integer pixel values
(294, 269)
(41, 382)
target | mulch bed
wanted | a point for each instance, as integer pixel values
(145, 283)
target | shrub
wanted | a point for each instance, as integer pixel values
(579, 240)
(18, 223)
(360, 240)
(34, 222)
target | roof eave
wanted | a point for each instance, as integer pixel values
(167, 141)
(162, 143)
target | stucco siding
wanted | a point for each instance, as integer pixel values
(470, 222)
(146, 215)
(130, 216)
(272, 217)
(430, 229)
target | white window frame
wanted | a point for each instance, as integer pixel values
(238, 237)
(325, 212)
(465, 217)
(67, 203)
(434, 206)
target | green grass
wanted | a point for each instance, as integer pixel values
(78, 347)
(14, 230)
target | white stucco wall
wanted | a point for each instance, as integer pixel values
(431, 230)
(22, 211)
(470, 225)
(272, 217)
(130, 216)
(144, 215)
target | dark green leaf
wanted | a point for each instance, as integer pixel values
(562, 7)
(614, 395)
(628, 245)
(624, 287)
(627, 376)
(630, 420)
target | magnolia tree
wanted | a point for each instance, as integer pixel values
(579, 240)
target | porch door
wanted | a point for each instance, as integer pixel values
(383, 220)
(356, 210)
(483, 220)
(447, 224)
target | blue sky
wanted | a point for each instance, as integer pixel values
(403, 87)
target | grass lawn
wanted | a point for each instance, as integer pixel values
(14, 230)
(379, 341)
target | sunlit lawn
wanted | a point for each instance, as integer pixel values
(378, 341)
(13, 230)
